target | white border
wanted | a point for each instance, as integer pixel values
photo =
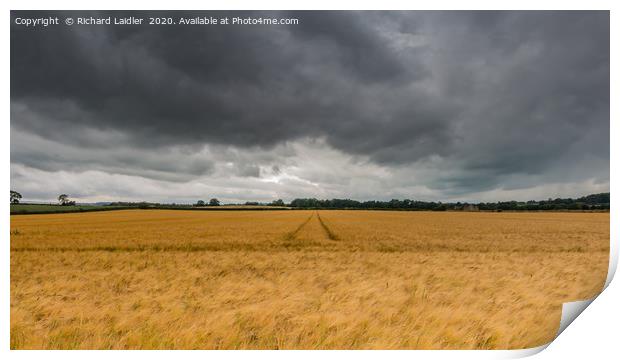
(605, 305)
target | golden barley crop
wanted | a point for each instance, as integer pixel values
(154, 279)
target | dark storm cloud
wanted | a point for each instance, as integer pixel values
(541, 86)
(492, 94)
(239, 85)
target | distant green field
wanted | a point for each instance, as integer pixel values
(44, 209)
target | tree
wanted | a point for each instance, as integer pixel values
(200, 203)
(278, 202)
(15, 196)
(63, 199)
(214, 202)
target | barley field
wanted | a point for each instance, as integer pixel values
(172, 279)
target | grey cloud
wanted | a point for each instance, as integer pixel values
(232, 85)
(496, 96)
(171, 164)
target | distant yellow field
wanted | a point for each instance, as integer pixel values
(157, 279)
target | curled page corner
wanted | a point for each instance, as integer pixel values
(570, 311)
(523, 353)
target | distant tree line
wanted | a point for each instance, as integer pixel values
(590, 202)
(372, 204)
(278, 202)
(147, 204)
(142, 204)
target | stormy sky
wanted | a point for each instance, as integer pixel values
(472, 106)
